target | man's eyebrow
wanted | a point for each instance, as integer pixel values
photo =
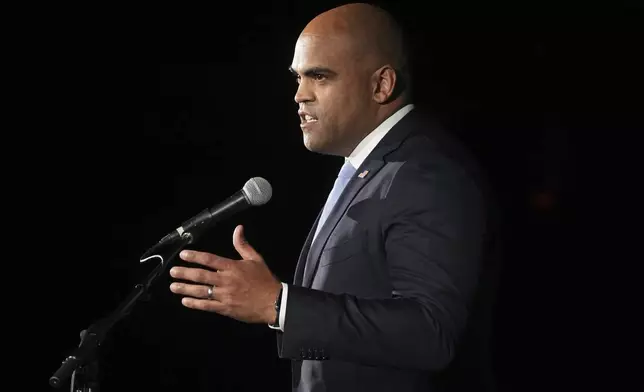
(314, 70)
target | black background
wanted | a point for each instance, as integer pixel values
(151, 115)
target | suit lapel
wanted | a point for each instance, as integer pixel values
(301, 262)
(353, 187)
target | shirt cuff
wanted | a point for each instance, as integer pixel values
(282, 315)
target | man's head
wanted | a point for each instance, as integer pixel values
(349, 63)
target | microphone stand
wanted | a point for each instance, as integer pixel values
(82, 363)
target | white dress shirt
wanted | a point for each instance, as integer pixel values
(357, 157)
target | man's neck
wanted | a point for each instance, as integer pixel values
(369, 142)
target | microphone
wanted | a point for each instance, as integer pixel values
(256, 192)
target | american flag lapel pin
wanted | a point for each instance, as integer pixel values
(363, 174)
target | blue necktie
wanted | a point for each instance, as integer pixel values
(344, 176)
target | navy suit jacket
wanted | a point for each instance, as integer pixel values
(394, 274)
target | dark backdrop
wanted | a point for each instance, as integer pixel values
(156, 114)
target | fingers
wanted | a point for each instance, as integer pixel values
(205, 304)
(196, 291)
(196, 275)
(196, 297)
(207, 259)
(245, 250)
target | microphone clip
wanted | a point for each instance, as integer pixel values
(166, 249)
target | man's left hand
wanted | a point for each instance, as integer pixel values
(242, 289)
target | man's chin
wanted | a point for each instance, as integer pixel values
(313, 147)
(322, 149)
(316, 146)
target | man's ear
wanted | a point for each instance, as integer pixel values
(386, 84)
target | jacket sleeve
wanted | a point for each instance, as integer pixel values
(433, 228)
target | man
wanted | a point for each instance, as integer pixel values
(388, 274)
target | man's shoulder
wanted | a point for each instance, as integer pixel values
(429, 142)
(431, 150)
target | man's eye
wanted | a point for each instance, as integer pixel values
(318, 76)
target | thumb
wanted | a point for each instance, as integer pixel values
(245, 250)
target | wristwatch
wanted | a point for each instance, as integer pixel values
(278, 304)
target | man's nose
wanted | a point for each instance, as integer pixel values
(303, 93)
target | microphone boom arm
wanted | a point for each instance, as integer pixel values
(84, 357)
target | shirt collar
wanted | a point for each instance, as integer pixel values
(370, 141)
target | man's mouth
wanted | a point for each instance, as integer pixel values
(306, 118)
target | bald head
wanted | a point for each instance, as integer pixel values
(350, 64)
(370, 34)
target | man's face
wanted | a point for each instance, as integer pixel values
(333, 94)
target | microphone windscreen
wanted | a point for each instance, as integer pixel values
(258, 191)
